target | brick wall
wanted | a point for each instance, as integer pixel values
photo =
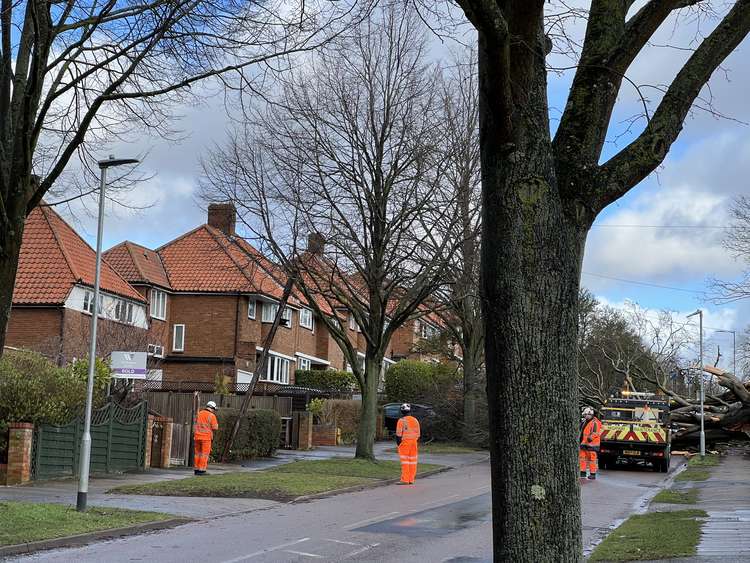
(324, 435)
(36, 328)
(209, 323)
(20, 437)
(110, 336)
(404, 340)
(194, 371)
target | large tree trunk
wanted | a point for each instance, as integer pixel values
(368, 418)
(531, 256)
(11, 235)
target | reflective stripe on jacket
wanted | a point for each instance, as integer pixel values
(591, 435)
(408, 428)
(205, 424)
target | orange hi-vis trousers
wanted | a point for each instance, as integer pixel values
(407, 452)
(588, 459)
(202, 451)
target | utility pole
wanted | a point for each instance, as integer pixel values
(699, 312)
(83, 468)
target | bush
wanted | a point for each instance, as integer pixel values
(316, 406)
(32, 389)
(419, 382)
(326, 380)
(258, 434)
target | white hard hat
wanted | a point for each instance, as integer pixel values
(587, 411)
(406, 407)
(211, 405)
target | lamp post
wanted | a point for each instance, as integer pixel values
(83, 468)
(734, 350)
(699, 312)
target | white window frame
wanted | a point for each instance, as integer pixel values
(268, 313)
(155, 350)
(251, 309)
(123, 311)
(287, 316)
(174, 338)
(158, 306)
(88, 302)
(353, 323)
(306, 319)
(277, 370)
(304, 364)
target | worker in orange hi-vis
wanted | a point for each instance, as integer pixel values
(407, 436)
(205, 424)
(591, 430)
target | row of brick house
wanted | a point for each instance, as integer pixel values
(201, 305)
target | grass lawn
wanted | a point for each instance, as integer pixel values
(283, 483)
(657, 535)
(351, 467)
(445, 448)
(708, 461)
(24, 522)
(672, 496)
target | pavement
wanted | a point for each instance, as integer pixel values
(725, 496)
(446, 517)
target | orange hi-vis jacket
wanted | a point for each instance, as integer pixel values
(591, 433)
(205, 425)
(407, 428)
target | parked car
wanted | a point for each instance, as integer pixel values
(392, 412)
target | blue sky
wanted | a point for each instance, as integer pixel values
(707, 167)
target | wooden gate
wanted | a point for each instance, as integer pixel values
(118, 443)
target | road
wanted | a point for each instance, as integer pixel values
(443, 518)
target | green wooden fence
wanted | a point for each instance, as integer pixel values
(118, 443)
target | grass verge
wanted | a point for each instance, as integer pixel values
(445, 448)
(282, 483)
(672, 496)
(351, 468)
(657, 535)
(25, 522)
(693, 474)
(707, 461)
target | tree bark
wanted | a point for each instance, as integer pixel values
(11, 236)
(368, 418)
(532, 250)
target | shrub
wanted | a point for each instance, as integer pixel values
(32, 389)
(326, 380)
(345, 414)
(316, 406)
(258, 434)
(418, 382)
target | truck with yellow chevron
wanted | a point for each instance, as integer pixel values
(635, 427)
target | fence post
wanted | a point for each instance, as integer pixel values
(110, 423)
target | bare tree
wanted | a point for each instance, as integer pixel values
(461, 181)
(347, 154)
(737, 241)
(540, 197)
(75, 75)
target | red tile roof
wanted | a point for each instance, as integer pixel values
(207, 260)
(137, 264)
(54, 258)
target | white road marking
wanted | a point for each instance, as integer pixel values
(266, 550)
(342, 541)
(302, 553)
(373, 519)
(360, 551)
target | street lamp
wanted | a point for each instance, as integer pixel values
(83, 482)
(699, 312)
(734, 350)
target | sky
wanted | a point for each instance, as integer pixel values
(659, 246)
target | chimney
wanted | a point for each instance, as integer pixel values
(223, 216)
(316, 243)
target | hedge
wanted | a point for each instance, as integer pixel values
(33, 389)
(410, 381)
(326, 380)
(258, 435)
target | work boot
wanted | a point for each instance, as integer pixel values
(592, 476)
(583, 474)
(197, 472)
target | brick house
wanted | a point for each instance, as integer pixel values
(53, 296)
(212, 299)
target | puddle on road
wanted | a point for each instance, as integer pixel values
(437, 521)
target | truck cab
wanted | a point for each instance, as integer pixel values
(635, 426)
